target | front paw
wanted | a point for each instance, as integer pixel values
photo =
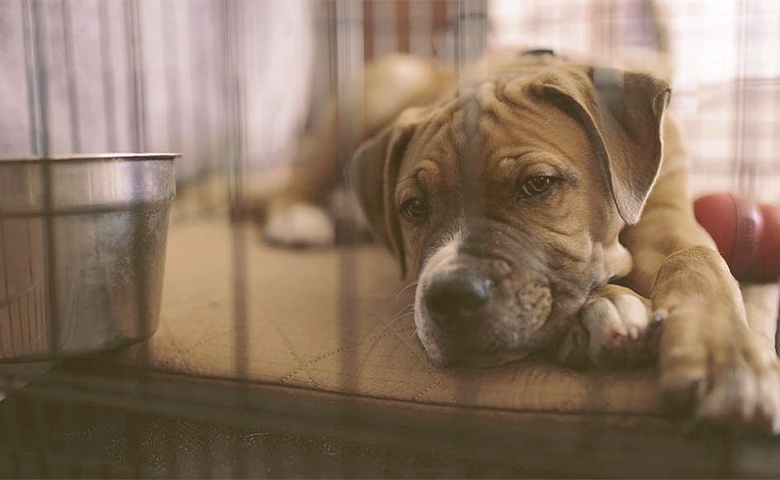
(726, 377)
(714, 368)
(616, 328)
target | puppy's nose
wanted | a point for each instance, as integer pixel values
(456, 298)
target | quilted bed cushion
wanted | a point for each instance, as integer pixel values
(333, 320)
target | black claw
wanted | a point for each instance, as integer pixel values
(653, 334)
(682, 403)
(578, 359)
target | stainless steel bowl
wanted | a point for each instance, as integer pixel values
(82, 252)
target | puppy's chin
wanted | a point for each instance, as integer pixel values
(477, 359)
(487, 360)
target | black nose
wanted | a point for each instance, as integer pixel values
(456, 298)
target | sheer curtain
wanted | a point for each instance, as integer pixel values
(128, 75)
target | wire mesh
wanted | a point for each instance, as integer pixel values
(231, 84)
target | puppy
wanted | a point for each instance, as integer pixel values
(543, 204)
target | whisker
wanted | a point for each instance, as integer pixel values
(398, 317)
(405, 288)
(407, 307)
(404, 312)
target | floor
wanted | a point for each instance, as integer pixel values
(78, 432)
(46, 438)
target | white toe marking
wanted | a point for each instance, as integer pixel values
(634, 333)
(772, 398)
(608, 322)
(603, 322)
(735, 394)
(633, 312)
(301, 225)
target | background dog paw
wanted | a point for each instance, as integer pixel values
(299, 225)
(616, 328)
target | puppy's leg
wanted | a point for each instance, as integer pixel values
(296, 216)
(711, 359)
(762, 302)
(616, 328)
(713, 366)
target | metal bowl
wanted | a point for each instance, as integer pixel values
(82, 252)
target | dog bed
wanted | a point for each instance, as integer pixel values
(321, 343)
(338, 320)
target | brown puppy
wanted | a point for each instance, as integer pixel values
(519, 196)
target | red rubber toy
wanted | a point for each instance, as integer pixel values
(747, 235)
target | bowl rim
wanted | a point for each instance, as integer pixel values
(87, 157)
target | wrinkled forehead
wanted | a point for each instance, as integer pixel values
(488, 121)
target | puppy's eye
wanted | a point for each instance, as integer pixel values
(414, 209)
(535, 186)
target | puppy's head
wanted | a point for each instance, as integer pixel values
(507, 198)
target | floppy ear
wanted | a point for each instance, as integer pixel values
(622, 113)
(373, 174)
